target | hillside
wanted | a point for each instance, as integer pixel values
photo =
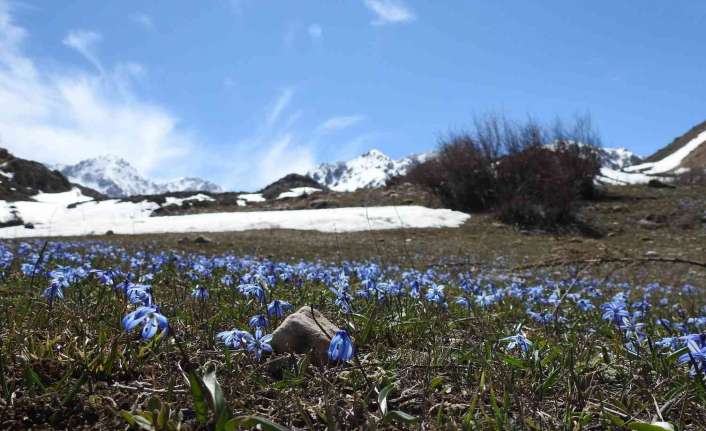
(687, 151)
(677, 143)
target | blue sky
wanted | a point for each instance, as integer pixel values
(244, 91)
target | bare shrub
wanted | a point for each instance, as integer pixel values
(460, 174)
(530, 174)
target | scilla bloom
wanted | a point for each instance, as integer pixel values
(277, 308)
(148, 316)
(199, 293)
(258, 321)
(234, 339)
(341, 347)
(258, 344)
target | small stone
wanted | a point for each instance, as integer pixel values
(301, 332)
(648, 224)
(202, 240)
(29, 226)
(319, 204)
(657, 184)
(651, 253)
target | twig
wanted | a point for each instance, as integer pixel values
(604, 260)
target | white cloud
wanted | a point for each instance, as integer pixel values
(315, 31)
(389, 11)
(279, 106)
(84, 42)
(143, 19)
(276, 148)
(62, 116)
(340, 123)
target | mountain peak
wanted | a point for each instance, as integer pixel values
(374, 153)
(116, 177)
(371, 169)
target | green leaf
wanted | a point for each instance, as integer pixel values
(136, 420)
(197, 393)
(163, 417)
(436, 382)
(550, 380)
(654, 426)
(129, 417)
(33, 379)
(154, 403)
(402, 416)
(515, 362)
(674, 355)
(382, 398)
(250, 422)
(215, 391)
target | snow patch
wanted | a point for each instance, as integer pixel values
(252, 197)
(170, 200)
(672, 161)
(96, 218)
(298, 191)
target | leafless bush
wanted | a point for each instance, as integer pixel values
(530, 174)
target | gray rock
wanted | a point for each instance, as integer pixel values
(648, 224)
(202, 240)
(319, 203)
(301, 332)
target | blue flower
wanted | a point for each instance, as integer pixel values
(696, 354)
(615, 312)
(233, 339)
(435, 294)
(199, 293)
(341, 347)
(54, 291)
(258, 321)
(464, 302)
(277, 308)
(518, 340)
(632, 329)
(258, 344)
(148, 316)
(139, 294)
(253, 290)
(585, 305)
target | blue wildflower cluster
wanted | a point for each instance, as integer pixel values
(643, 318)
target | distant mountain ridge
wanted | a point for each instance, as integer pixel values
(116, 177)
(371, 169)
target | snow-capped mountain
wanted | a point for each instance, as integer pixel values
(190, 184)
(372, 169)
(115, 177)
(618, 158)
